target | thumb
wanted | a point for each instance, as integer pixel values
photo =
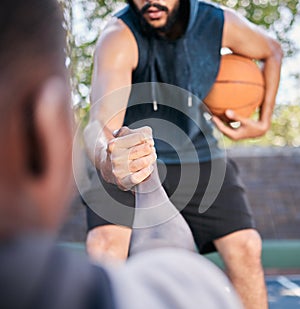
(121, 132)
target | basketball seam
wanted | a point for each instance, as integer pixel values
(239, 82)
(237, 108)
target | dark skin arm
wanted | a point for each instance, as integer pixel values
(246, 39)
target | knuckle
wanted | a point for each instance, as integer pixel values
(151, 149)
(123, 131)
(148, 130)
(147, 148)
(141, 136)
(154, 157)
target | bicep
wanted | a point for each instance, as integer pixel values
(109, 96)
(111, 80)
(245, 38)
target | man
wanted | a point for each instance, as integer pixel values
(178, 43)
(36, 184)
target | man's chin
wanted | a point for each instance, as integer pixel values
(156, 23)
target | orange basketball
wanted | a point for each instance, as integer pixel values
(239, 86)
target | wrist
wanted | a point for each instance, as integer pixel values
(103, 164)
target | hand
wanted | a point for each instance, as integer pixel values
(248, 128)
(132, 155)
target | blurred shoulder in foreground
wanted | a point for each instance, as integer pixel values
(36, 185)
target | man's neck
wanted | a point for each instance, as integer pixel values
(175, 32)
(181, 23)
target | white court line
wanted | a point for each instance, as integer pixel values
(293, 288)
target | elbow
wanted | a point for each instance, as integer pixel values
(276, 51)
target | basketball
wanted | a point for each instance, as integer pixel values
(239, 86)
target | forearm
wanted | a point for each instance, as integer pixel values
(96, 140)
(271, 73)
(157, 222)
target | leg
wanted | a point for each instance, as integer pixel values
(108, 241)
(229, 212)
(241, 252)
(108, 236)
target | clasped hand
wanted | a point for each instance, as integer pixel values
(132, 155)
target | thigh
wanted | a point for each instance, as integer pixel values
(106, 203)
(229, 212)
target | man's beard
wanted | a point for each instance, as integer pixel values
(147, 27)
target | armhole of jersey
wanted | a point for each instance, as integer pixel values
(140, 54)
(136, 42)
(222, 17)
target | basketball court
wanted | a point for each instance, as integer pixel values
(281, 261)
(283, 291)
(265, 174)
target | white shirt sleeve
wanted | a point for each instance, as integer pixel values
(171, 278)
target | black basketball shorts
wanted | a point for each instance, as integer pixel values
(229, 212)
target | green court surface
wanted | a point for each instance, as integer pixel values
(281, 261)
(277, 254)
